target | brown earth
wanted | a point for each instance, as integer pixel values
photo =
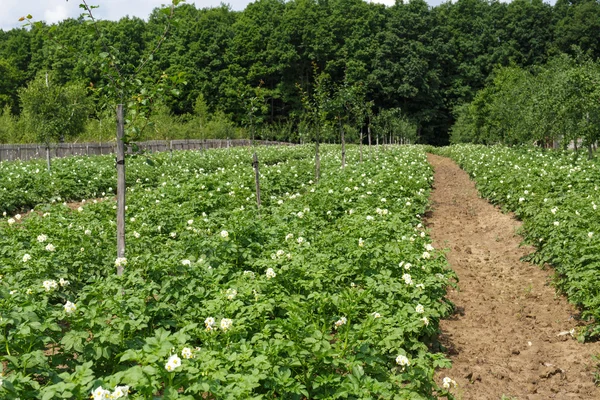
(509, 335)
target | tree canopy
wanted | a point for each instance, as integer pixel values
(426, 61)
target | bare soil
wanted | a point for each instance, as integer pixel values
(505, 337)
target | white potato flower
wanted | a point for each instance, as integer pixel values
(120, 261)
(270, 273)
(402, 360)
(340, 322)
(173, 362)
(26, 257)
(231, 293)
(101, 394)
(120, 392)
(209, 323)
(447, 382)
(70, 307)
(226, 324)
(49, 285)
(187, 353)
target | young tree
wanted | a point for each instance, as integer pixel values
(54, 112)
(132, 95)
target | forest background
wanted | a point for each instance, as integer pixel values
(423, 65)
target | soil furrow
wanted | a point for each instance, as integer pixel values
(509, 335)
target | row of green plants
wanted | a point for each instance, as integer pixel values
(557, 198)
(330, 290)
(24, 184)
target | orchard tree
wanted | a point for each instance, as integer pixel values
(53, 112)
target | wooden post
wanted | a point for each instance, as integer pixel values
(256, 179)
(369, 134)
(48, 157)
(171, 149)
(317, 161)
(120, 187)
(361, 140)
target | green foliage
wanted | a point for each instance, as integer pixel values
(394, 125)
(556, 103)
(54, 113)
(425, 60)
(300, 284)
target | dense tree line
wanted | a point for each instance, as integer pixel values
(425, 61)
(553, 105)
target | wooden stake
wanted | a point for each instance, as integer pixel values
(120, 187)
(256, 179)
(48, 157)
(369, 134)
(317, 162)
(361, 140)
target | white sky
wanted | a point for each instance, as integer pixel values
(56, 10)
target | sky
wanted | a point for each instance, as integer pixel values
(56, 10)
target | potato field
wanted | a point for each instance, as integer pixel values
(331, 290)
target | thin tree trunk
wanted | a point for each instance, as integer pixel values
(120, 187)
(361, 144)
(317, 161)
(256, 179)
(369, 134)
(48, 157)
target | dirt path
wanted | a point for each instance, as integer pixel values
(504, 338)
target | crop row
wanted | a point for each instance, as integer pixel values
(24, 184)
(557, 197)
(332, 291)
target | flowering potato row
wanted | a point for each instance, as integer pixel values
(557, 197)
(23, 185)
(333, 290)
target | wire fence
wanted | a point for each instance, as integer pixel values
(12, 152)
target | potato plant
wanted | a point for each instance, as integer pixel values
(333, 291)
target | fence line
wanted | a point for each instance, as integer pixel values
(11, 152)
